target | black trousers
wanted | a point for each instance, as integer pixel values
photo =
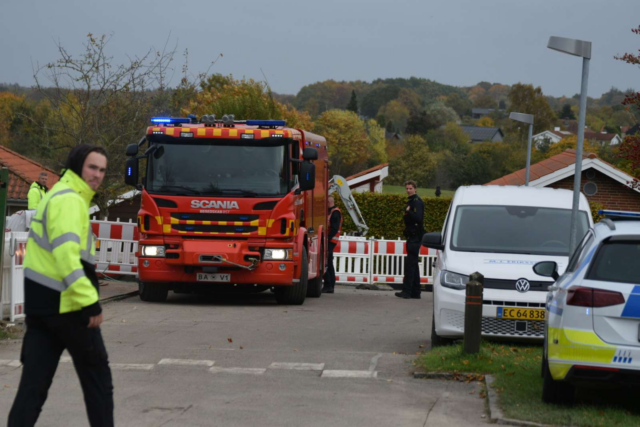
(330, 273)
(411, 281)
(46, 338)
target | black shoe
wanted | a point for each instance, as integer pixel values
(403, 295)
(415, 297)
(327, 291)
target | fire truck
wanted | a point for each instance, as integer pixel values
(230, 205)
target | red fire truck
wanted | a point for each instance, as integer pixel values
(230, 204)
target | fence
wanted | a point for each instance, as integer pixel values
(361, 260)
(12, 303)
(116, 247)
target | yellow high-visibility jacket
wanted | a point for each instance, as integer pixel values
(59, 269)
(35, 194)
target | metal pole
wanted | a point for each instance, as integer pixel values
(526, 177)
(473, 314)
(573, 237)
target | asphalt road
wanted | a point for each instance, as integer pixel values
(341, 360)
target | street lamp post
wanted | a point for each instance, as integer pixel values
(525, 118)
(582, 49)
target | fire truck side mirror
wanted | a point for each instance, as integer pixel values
(131, 172)
(310, 154)
(307, 176)
(132, 150)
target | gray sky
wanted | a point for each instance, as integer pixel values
(299, 42)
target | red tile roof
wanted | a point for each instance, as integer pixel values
(22, 173)
(364, 172)
(543, 168)
(599, 136)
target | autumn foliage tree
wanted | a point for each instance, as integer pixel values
(348, 142)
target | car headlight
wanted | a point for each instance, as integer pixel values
(277, 254)
(453, 280)
(153, 251)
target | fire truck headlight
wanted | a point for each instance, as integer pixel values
(277, 254)
(153, 251)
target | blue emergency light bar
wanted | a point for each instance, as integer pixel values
(266, 123)
(170, 120)
(619, 214)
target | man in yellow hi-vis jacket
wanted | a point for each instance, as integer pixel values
(61, 295)
(37, 191)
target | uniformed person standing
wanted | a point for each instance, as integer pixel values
(61, 295)
(413, 231)
(335, 228)
(37, 191)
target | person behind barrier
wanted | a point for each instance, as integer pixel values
(413, 231)
(61, 295)
(335, 228)
(37, 191)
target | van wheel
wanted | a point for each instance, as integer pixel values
(153, 292)
(314, 290)
(558, 392)
(437, 340)
(296, 294)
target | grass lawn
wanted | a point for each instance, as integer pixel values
(422, 192)
(519, 385)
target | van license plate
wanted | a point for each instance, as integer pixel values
(218, 277)
(520, 313)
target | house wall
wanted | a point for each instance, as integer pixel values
(611, 193)
(125, 210)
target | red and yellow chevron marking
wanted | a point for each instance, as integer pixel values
(211, 132)
(254, 223)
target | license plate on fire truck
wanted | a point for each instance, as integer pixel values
(217, 277)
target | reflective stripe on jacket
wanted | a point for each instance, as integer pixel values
(35, 194)
(335, 239)
(60, 252)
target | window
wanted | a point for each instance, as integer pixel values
(617, 261)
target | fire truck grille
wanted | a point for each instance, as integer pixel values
(508, 327)
(215, 217)
(214, 228)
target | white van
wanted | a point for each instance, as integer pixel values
(501, 232)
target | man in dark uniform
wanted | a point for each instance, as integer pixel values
(413, 231)
(335, 228)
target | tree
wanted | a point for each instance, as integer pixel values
(415, 163)
(377, 97)
(353, 103)
(348, 141)
(527, 99)
(570, 143)
(567, 112)
(485, 101)
(440, 114)
(462, 106)
(397, 113)
(630, 147)
(419, 124)
(377, 143)
(485, 122)
(94, 100)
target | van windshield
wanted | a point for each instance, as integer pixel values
(515, 230)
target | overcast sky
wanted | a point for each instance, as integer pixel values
(299, 42)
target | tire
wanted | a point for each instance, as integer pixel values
(437, 340)
(314, 288)
(557, 392)
(153, 292)
(296, 294)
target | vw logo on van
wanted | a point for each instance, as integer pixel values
(523, 285)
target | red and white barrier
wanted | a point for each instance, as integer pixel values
(117, 243)
(12, 300)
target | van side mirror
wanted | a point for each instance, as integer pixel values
(132, 150)
(131, 172)
(433, 241)
(310, 154)
(547, 269)
(307, 176)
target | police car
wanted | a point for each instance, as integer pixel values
(592, 332)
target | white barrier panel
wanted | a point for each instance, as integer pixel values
(358, 260)
(13, 275)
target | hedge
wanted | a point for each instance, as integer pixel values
(383, 213)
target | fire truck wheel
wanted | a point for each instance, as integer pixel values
(155, 292)
(314, 290)
(296, 294)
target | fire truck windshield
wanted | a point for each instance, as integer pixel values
(229, 169)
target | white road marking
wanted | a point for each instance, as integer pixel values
(65, 359)
(298, 366)
(374, 362)
(252, 371)
(186, 362)
(131, 366)
(11, 363)
(349, 374)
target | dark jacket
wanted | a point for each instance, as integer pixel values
(334, 223)
(414, 218)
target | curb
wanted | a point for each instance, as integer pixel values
(379, 286)
(119, 297)
(496, 415)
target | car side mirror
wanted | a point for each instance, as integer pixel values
(433, 241)
(546, 269)
(307, 176)
(310, 154)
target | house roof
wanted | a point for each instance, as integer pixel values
(477, 133)
(600, 136)
(631, 130)
(367, 171)
(572, 126)
(561, 166)
(22, 173)
(481, 110)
